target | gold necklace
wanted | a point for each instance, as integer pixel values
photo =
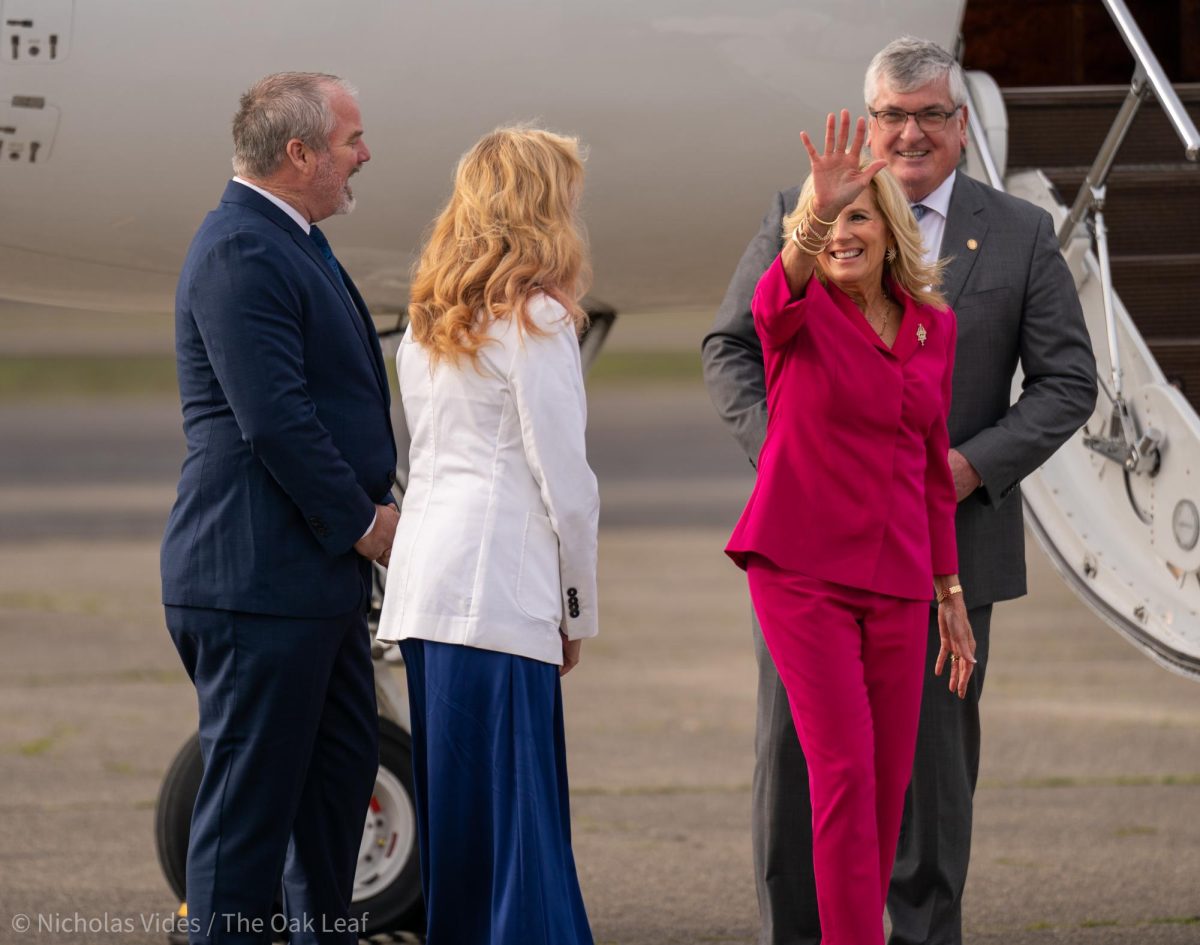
(887, 314)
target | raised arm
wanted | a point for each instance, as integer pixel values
(838, 177)
(732, 352)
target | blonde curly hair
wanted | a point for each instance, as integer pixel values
(510, 230)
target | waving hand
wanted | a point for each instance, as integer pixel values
(838, 178)
(837, 175)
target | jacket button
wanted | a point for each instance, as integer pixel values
(571, 592)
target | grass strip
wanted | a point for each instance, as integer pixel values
(48, 378)
(34, 378)
(615, 367)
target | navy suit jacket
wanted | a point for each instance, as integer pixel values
(285, 409)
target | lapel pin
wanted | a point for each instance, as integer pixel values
(922, 334)
(972, 244)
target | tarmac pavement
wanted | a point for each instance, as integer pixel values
(1088, 811)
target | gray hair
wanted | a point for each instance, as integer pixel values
(278, 108)
(908, 63)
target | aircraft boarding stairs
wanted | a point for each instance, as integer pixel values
(1117, 509)
(1153, 211)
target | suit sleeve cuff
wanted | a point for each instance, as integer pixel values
(374, 519)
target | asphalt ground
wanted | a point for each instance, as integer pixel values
(1088, 810)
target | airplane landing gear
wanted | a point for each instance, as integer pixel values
(387, 883)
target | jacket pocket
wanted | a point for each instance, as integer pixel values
(538, 583)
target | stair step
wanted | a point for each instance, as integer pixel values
(1050, 127)
(1152, 212)
(1180, 363)
(1160, 291)
(1146, 207)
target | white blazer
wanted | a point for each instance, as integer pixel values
(496, 546)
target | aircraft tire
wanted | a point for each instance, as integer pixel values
(387, 885)
(173, 814)
(392, 901)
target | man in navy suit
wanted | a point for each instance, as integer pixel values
(284, 501)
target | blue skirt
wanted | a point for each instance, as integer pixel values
(493, 819)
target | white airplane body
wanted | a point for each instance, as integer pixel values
(115, 140)
(119, 143)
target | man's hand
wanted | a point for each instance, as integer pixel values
(966, 479)
(376, 545)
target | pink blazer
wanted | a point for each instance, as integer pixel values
(853, 486)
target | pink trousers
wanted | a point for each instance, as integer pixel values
(852, 663)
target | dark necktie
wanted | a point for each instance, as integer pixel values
(327, 251)
(919, 210)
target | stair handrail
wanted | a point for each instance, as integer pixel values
(1148, 77)
(1136, 42)
(1123, 442)
(1138, 452)
(982, 145)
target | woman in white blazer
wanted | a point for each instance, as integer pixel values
(491, 585)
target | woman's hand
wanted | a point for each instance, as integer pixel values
(837, 181)
(571, 651)
(958, 643)
(837, 177)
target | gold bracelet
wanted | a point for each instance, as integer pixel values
(949, 592)
(810, 218)
(810, 226)
(812, 213)
(808, 243)
(802, 232)
(814, 251)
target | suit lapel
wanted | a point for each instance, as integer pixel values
(963, 237)
(907, 337)
(907, 340)
(356, 315)
(853, 315)
(373, 345)
(356, 310)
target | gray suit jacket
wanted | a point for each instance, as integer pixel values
(1015, 299)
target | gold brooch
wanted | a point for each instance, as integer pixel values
(922, 334)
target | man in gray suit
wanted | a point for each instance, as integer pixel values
(1015, 301)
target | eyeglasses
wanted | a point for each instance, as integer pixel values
(931, 119)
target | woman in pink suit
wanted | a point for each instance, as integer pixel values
(851, 522)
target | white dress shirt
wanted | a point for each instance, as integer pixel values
(496, 546)
(933, 224)
(280, 203)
